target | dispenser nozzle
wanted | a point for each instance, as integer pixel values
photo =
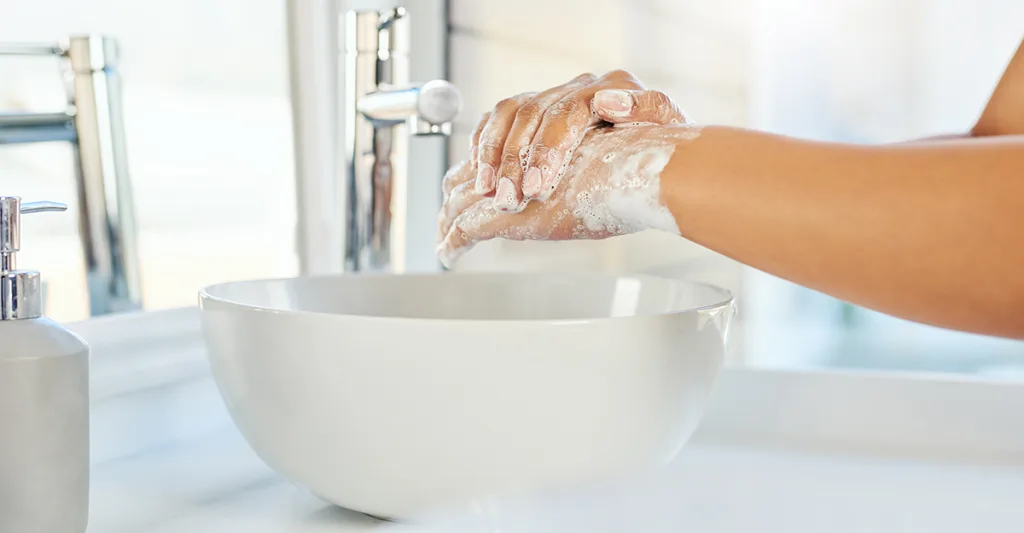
(19, 291)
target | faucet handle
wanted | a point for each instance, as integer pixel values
(428, 108)
(40, 207)
(437, 105)
(439, 102)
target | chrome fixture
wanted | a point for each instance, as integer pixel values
(20, 290)
(381, 109)
(94, 124)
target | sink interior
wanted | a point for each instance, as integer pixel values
(475, 296)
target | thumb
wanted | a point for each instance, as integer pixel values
(619, 106)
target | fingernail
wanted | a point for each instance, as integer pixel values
(532, 183)
(506, 199)
(614, 102)
(484, 179)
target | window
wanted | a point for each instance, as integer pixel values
(209, 141)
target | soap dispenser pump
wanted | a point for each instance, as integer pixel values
(44, 399)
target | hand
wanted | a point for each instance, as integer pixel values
(612, 186)
(522, 146)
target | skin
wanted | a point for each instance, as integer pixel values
(520, 146)
(930, 230)
(613, 170)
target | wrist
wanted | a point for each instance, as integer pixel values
(632, 195)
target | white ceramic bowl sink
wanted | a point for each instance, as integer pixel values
(391, 395)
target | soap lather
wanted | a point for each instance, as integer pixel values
(44, 399)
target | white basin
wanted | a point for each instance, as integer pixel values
(392, 395)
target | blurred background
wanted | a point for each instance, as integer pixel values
(211, 155)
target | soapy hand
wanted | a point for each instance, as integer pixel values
(521, 148)
(611, 186)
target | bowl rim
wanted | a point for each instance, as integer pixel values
(725, 298)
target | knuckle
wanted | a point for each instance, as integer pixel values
(509, 160)
(529, 110)
(564, 107)
(487, 153)
(586, 77)
(488, 147)
(619, 74)
(540, 154)
(522, 98)
(506, 105)
(659, 107)
(654, 98)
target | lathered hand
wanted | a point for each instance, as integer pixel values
(610, 187)
(522, 147)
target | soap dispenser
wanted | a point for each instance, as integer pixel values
(44, 399)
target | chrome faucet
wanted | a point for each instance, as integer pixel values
(381, 108)
(93, 123)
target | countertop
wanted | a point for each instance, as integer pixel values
(777, 450)
(216, 484)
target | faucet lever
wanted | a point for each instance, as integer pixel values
(429, 108)
(39, 207)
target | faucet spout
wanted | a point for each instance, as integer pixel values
(382, 110)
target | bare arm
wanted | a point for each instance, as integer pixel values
(928, 232)
(1004, 114)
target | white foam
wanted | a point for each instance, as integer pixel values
(629, 200)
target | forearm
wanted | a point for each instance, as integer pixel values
(932, 233)
(1004, 112)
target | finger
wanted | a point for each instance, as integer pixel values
(474, 139)
(461, 198)
(457, 175)
(622, 106)
(562, 129)
(477, 223)
(492, 139)
(510, 188)
(453, 246)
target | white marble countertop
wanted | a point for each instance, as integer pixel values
(216, 484)
(777, 451)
